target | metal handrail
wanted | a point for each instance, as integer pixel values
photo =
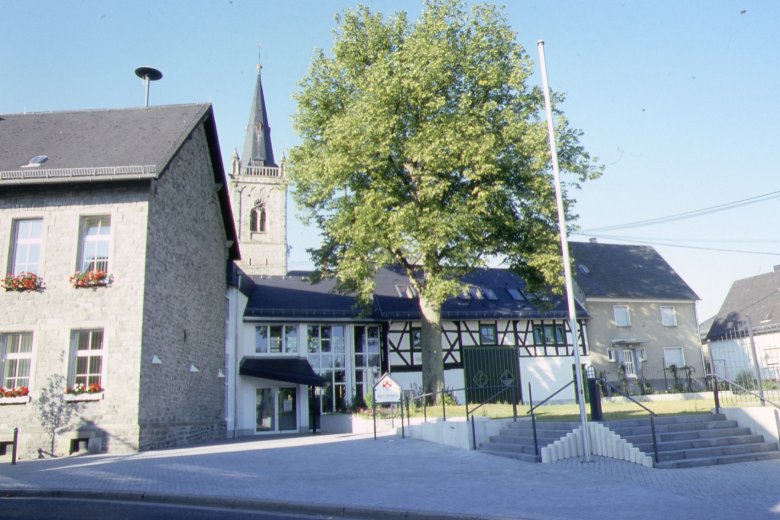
(751, 392)
(653, 415)
(534, 407)
(501, 391)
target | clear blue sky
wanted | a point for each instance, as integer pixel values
(676, 98)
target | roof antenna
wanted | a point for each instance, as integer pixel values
(148, 74)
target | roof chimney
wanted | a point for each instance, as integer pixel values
(777, 268)
(593, 240)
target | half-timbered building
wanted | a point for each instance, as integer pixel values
(303, 349)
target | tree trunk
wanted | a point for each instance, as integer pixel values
(432, 361)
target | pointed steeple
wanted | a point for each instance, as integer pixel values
(257, 144)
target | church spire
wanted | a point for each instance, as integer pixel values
(258, 150)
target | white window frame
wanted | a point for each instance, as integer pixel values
(8, 357)
(682, 356)
(668, 316)
(641, 354)
(273, 345)
(331, 362)
(629, 362)
(74, 375)
(620, 322)
(493, 330)
(23, 245)
(91, 244)
(611, 355)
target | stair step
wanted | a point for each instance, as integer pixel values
(717, 451)
(505, 446)
(725, 459)
(526, 457)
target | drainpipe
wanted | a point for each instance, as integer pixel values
(234, 371)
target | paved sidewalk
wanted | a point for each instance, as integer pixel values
(407, 478)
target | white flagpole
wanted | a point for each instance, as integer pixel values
(565, 250)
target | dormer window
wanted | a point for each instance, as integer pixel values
(257, 219)
(406, 291)
(36, 161)
(516, 294)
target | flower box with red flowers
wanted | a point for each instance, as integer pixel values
(82, 392)
(90, 279)
(22, 282)
(94, 388)
(18, 395)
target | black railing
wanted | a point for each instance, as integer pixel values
(718, 382)
(653, 415)
(424, 398)
(470, 413)
(535, 406)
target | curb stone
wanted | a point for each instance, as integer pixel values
(274, 506)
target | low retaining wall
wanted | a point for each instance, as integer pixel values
(763, 420)
(456, 432)
(690, 396)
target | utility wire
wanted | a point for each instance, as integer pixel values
(681, 246)
(691, 214)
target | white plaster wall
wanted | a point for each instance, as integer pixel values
(546, 375)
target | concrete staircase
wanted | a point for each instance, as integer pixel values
(684, 441)
(688, 441)
(517, 440)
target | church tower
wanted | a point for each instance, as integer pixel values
(259, 196)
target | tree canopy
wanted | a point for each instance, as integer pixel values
(423, 145)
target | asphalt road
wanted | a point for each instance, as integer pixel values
(81, 509)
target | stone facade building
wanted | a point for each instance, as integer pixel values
(115, 236)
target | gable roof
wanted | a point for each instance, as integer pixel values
(293, 296)
(626, 271)
(107, 145)
(757, 297)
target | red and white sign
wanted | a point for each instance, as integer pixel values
(386, 390)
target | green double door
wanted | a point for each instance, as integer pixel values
(491, 374)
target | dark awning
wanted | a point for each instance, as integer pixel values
(289, 370)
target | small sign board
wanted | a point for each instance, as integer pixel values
(386, 390)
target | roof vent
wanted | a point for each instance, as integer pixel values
(36, 161)
(583, 268)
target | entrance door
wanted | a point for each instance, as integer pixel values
(277, 410)
(266, 414)
(628, 362)
(288, 411)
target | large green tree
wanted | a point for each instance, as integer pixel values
(423, 145)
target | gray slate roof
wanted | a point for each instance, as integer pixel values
(294, 297)
(758, 297)
(96, 138)
(107, 145)
(626, 271)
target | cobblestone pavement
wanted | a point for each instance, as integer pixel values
(413, 478)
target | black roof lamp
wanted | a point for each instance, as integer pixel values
(148, 74)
